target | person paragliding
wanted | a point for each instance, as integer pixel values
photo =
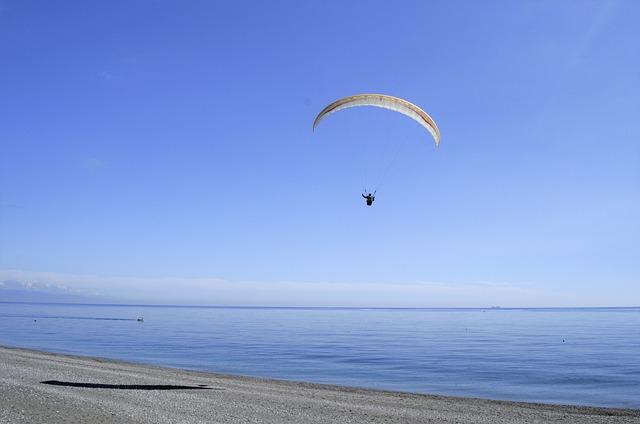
(384, 101)
(369, 197)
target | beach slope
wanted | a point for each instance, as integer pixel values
(38, 387)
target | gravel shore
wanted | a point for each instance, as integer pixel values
(39, 387)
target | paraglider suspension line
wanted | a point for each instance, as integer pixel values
(385, 172)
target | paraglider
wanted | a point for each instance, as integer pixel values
(386, 102)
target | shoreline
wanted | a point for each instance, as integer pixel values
(43, 387)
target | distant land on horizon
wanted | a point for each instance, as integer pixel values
(33, 296)
(12, 291)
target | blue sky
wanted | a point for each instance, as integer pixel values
(162, 151)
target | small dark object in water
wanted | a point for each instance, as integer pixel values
(140, 319)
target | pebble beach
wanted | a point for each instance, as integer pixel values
(40, 387)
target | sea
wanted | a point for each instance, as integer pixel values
(580, 356)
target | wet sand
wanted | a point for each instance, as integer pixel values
(39, 387)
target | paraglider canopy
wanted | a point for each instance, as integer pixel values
(386, 102)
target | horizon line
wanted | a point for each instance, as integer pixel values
(168, 305)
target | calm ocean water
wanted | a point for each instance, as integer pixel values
(569, 356)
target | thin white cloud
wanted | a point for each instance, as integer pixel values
(216, 291)
(9, 205)
(106, 76)
(92, 163)
(602, 16)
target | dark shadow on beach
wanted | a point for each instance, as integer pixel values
(127, 386)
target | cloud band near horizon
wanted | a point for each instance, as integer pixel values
(219, 291)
